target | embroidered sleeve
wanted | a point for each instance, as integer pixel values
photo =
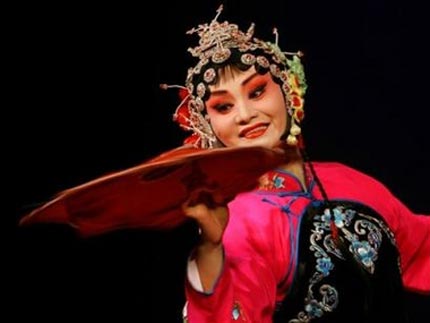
(411, 231)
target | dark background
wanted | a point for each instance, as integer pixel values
(85, 101)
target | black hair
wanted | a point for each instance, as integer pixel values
(236, 63)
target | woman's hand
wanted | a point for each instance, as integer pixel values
(210, 211)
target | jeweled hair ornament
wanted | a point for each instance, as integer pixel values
(221, 44)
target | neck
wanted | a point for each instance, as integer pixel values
(294, 164)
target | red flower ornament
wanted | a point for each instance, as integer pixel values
(182, 114)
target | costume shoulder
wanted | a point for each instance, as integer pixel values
(343, 176)
(345, 183)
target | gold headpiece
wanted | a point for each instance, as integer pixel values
(216, 39)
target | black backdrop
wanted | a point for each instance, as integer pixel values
(85, 101)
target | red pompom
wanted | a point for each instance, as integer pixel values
(334, 230)
(192, 140)
(296, 101)
(182, 115)
(183, 93)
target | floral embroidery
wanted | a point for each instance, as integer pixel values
(264, 182)
(365, 235)
(324, 265)
(274, 181)
(314, 309)
(278, 181)
(364, 252)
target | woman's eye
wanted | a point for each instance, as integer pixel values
(257, 92)
(222, 108)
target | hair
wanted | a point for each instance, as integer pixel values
(234, 66)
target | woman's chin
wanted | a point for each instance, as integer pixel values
(260, 142)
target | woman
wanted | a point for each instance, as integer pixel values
(315, 241)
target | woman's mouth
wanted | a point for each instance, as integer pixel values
(254, 131)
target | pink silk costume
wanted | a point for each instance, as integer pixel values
(260, 242)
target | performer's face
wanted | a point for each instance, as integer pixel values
(247, 109)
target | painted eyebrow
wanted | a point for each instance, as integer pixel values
(244, 82)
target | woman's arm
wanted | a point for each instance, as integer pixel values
(209, 252)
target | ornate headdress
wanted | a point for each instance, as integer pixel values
(222, 44)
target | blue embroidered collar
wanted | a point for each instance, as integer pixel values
(280, 180)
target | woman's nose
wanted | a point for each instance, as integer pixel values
(245, 113)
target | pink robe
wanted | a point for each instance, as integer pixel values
(260, 242)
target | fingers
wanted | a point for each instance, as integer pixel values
(209, 197)
(211, 222)
(197, 211)
(209, 209)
